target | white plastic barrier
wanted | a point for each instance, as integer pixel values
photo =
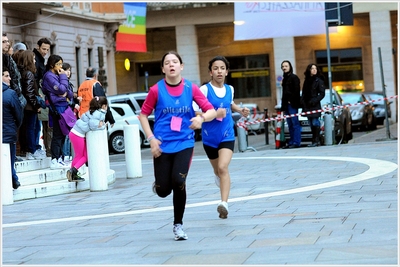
(7, 196)
(133, 156)
(98, 159)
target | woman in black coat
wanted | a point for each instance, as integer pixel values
(312, 93)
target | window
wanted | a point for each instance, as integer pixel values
(250, 76)
(346, 68)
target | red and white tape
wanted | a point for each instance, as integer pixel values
(280, 117)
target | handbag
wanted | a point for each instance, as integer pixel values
(67, 120)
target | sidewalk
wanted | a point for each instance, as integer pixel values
(329, 205)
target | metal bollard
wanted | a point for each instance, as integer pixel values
(7, 195)
(266, 129)
(133, 156)
(98, 159)
(328, 125)
(242, 136)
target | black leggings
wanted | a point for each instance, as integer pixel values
(170, 171)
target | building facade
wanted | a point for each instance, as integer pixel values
(81, 32)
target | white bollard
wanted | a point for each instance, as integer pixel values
(7, 196)
(98, 159)
(133, 156)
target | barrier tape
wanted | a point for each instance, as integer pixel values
(280, 117)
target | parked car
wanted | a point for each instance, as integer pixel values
(254, 116)
(379, 106)
(134, 100)
(343, 127)
(362, 115)
(123, 115)
(342, 121)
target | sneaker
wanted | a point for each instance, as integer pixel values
(65, 164)
(56, 164)
(29, 156)
(223, 210)
(18, 159)
(179, 233)
(217, 180)
(39, 154)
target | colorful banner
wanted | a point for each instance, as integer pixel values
(131, 36)
(258, 20)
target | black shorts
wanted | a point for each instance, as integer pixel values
(212, 152)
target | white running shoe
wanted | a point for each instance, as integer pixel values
(29, 156)
(39, 154)
(57, 164)
(217, 180)
(223, 210)
(179, 233)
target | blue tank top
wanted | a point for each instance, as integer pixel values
(215, 131)
(168, 111)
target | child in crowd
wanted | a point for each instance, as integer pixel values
(92, 120)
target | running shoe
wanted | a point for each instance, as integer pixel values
(179, 233)
(223, 210)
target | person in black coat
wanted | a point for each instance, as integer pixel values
(291, 103)
(12, 119)
(312, 93)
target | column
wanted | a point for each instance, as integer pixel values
(186, 42)
(283, 50)
(381, 36)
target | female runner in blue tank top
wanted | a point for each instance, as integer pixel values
(218, 135)
(172, 138)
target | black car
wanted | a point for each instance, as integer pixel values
(379, 105)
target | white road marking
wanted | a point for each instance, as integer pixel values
(376, 168)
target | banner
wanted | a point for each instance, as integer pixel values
(131, 36)
(258, 20)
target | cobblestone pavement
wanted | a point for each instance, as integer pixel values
(329, 205)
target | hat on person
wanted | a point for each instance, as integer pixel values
(19, 46)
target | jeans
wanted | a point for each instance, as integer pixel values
(294, 126)
(30, 122)
(67, 147)
(314, 122)
(13, 154)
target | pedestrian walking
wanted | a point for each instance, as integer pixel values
(312, 93)
(92, 120)
(218, 135)
(172, 139)
(291, 103)
(12, 120)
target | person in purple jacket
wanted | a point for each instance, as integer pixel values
(56, 88)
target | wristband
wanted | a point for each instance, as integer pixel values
(151, 137)
(202, 116)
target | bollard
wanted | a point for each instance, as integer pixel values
(98, 159)
(133, 156)
(266, 127)
(328, 126)
(7, 195)
(242, 136)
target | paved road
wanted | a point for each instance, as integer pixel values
(330, 205)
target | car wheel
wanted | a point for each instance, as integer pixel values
(117, 143)
(339, 132)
